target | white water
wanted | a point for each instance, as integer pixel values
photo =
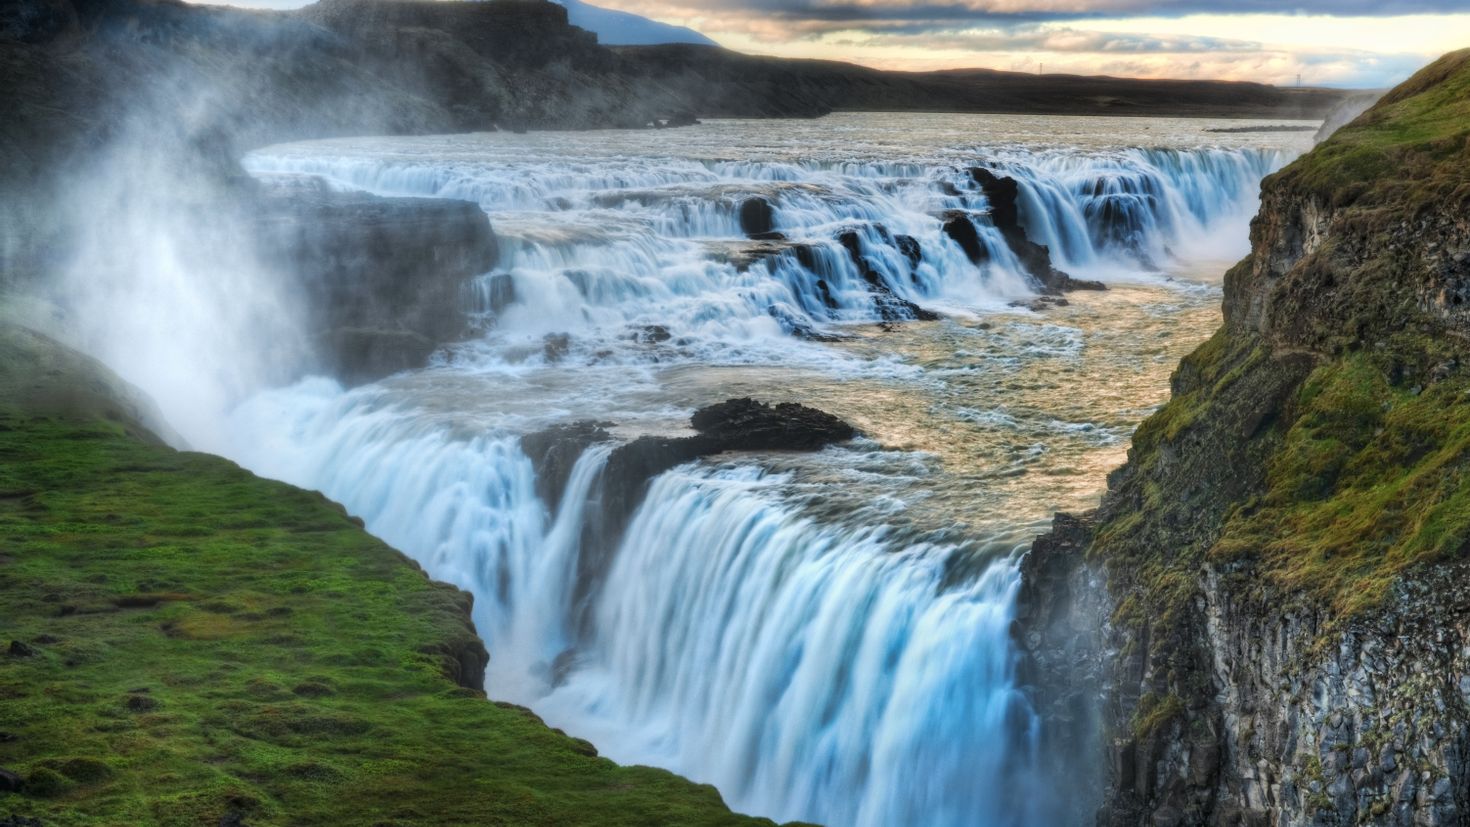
(823, 637)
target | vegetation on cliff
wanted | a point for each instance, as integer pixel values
(186, 643)
(1278, 544)
(1337, 388)
(1404, 151)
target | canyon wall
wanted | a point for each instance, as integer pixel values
(1270, 607)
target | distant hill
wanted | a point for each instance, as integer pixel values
(620, 28)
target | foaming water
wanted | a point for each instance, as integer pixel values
(605, 234)
(849, 686)
(824, 636)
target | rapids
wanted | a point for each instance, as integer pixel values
(824, 637)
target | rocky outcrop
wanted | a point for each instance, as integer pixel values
(889, 306)
(733, 425)
(384, 279)
(1283, 636)
(1002, 193)
(758, 219)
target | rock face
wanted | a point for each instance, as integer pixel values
(889, 306)
(1002, 193)
(1271, 597)
(733, 425)
(384, 278)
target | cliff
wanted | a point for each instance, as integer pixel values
(1268, 613)
(186, 643)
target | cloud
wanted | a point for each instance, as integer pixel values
(1367, 43)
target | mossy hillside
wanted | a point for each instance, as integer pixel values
(195, 644)
(1408, 149)
(1331, 478)
(1372, 479)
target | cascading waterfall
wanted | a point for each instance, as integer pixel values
(814, 662)
(811, 671)
(599, 249)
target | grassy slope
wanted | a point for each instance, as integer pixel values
(1408, 149)
(207, 642)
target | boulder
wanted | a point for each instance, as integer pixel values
(733, 425)
(958, 226)
(757, 218)
(890, 306)
(748, 425)
(554, 452)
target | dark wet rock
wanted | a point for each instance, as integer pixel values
(748, 425)
(889, 306)
(555, 346)
(652, 334)
(10, 781)
(1041, 303)
(501, 292)
(359, 355)
(959, 226)
(733, 425)
(757, 217)
(772, 235)
(1062, 618)
(806, 256)
(1002, 193)
(800, 328)
(554, 453)
(911, 249)
(383, 279)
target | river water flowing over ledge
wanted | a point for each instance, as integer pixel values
(822, 636)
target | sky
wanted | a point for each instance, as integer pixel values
(1345, 43)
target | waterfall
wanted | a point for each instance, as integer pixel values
(599, 249)
(811, 672)
(815, 671)
(805, 643)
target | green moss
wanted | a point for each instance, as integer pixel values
(209, 642)
(1155, 712)
(1372, 479)
(1407, 149)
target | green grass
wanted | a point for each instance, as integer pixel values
(1409, 149)
(206, 642)
(1372, 479)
